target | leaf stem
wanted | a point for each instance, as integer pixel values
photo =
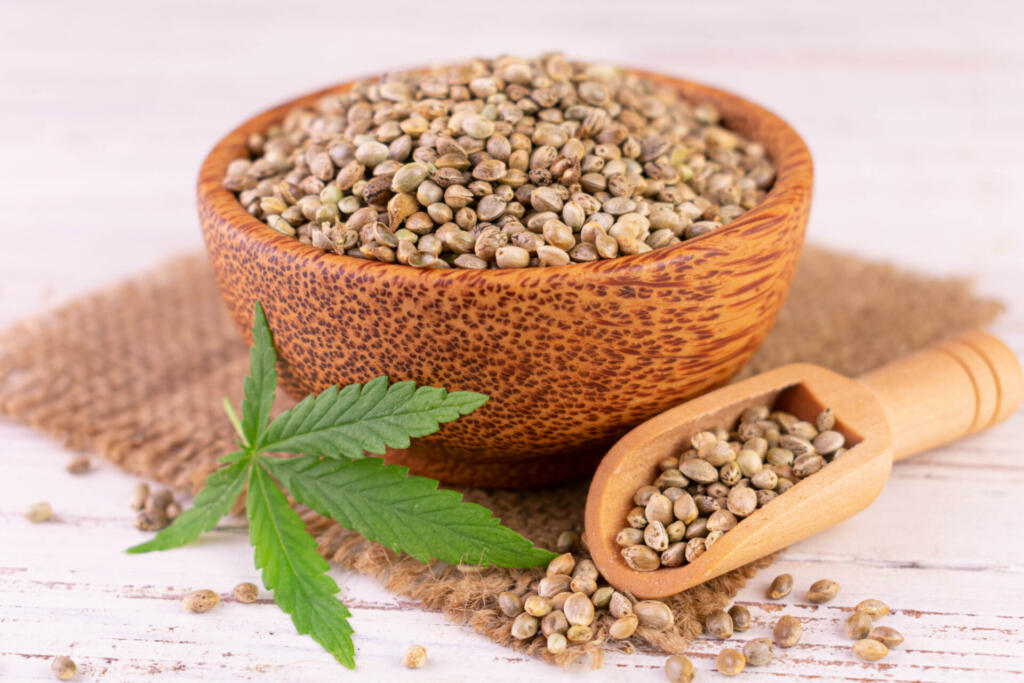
(233, 417)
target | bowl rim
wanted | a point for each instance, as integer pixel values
(792, 188)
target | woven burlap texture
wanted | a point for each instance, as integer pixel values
(137, 373)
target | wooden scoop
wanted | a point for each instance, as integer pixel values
(927, 399)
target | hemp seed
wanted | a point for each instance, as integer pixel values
(730, 662)
(788, 631)
(823, 591)
(758, 651)
(870, 650)
(858, 625)
(38, 512)
(246, 592)
(415, 657)
(200, 601)
(740, 617)
(679, 669)
(876, 609)
(886, 635)
(63, 667)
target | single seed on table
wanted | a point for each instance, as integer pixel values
(679, 669)
(823, 591)
(740, 617)
(788, 631)
(160, 500)
(510, 604)
(554, 622)
(537, 606)
(556, 643)
(719, 624)
(79, 465)
(524, 626)
(415, 657)
(563, 564)
(554, 584)
(579, 609)
(858, 625)
(623, 627)
(246, 592)
(876, 609)
(566, 541)
(620, 606)
(886, 635)
(38, 512)
(654, 614)
(758, 651)
(730, 662)
(578, 633)
(200, 601)
(63, 668)
(140, 494)
(870, 650)
(151, 519)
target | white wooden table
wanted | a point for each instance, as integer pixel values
(913, 113)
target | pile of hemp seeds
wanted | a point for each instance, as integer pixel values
(502, 163)
(725, 476)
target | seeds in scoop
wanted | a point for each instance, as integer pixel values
(823, 591)
(641, 558)
(685, 509)
(741, 501)
(63, 668)
(629, 536)
(140, 494)
(654, 614)
(740, 617)
(679, 669)
(537, 606)
(659, 509)
(869, 649)
(886, 635)
(788, 631)
(826, 420)
(415, 657)
(525, 626)
(556, 643)
(719, 624)
(730, 662)
(655, 536)
(510, 604)
(200, 601)
(781, 586)
(858, 625)
(758, 651)
(38, 512)
(554, 622)
(579, 609)
(876, 609)
(79, 465)
(246, 592)
(828, 442)
(636, 518)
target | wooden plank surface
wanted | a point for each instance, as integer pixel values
(912, 111)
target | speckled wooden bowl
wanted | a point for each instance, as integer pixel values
(572, 357)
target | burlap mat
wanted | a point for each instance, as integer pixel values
(137, 373)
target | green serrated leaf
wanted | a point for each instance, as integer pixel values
(294, 570)
(259, 386)
(215, 500)
(370, 418)
(409, 514)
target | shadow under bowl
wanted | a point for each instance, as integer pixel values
(572, 357)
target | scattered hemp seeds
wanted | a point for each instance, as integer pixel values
(858, 625)
(876, 609)
(780, 587)
(63, 668)
(886, 635)
(758, 651)
(415, 657)
(724, 477)
(730, 662)
(246, 592)
(871, 650)
(140, 494)
(788, 631)
(823, 591)
(503, 163)
(740, 617)
(679, 669)
(157, 509)
(79, 465)
(38, 512)
(719, 624)
(200, 601)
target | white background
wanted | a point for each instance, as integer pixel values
(913, 112)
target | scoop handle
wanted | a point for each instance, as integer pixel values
(947, 391)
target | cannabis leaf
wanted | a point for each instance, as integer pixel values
(331, 432)
(365, 418)
(405, 513)
(294, 570)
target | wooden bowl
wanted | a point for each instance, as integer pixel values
(572, 357)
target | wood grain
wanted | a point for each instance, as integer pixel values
(914, 121)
